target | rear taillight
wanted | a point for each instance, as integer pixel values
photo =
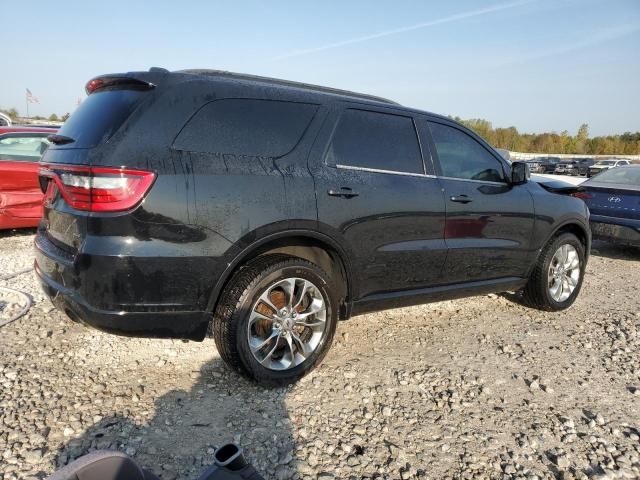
(582, 195)
(98, 189)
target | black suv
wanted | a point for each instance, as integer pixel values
(262, 211)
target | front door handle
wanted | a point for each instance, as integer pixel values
(344, 192)
(460, 198)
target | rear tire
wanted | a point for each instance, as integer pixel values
(259, 327)
(553, 284)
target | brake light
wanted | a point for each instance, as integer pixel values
(121, 82)
(582, 195)
(99, 189)
(93, 85)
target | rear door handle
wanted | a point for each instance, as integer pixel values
(344, 192)
(460, 198)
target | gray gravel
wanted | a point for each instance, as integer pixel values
(475, 388)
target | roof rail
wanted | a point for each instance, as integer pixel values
(285, 83)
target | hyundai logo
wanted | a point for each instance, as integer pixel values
(615, 199)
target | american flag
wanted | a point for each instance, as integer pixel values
(31, 98)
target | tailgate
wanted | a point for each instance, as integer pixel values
(82, 139)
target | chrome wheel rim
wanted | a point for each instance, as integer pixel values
(564, 272)
(287, 323)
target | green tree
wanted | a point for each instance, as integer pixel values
(65, 117)
(583, 132)
(53, 117)
(12, 112)
(551, 142)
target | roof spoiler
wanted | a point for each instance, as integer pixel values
(107, 81)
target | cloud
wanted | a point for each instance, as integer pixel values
(449, 19)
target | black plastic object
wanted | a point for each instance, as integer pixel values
(230, 464)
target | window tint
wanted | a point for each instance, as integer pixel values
(99, 116)
(461, 156)
(376, 140)
(26, 148)
(246, 127)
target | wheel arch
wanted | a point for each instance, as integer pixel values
(578, 230)
(313, 246)
(573, 226)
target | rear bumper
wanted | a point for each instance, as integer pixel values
(616, 230)
(63, 278)
(186, 325)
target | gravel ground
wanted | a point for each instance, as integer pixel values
(474, 388)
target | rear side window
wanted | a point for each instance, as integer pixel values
(99, 116)
(461, 156)
(377, 141)
(26, 148)
(266, 128)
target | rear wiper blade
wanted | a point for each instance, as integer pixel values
(60, 139)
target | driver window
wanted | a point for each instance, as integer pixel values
(463, 157)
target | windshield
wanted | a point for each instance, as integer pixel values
(606, 162)
(99, 116)
(622, 176)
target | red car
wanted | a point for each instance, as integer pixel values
(20, 195)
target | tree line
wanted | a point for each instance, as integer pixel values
(510, 139)
(14, 115)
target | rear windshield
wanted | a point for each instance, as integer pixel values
(622, 176)
(99, 116)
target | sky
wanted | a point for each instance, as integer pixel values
(538, 65)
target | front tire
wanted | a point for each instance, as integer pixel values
(556, 279)
(276, 319)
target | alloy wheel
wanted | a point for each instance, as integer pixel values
(287, 323)
(564, 272)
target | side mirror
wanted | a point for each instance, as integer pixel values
(519, 173)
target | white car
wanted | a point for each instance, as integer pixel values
(5, 120)
(603, 165)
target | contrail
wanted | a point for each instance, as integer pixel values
(594, 39)
(395, 31)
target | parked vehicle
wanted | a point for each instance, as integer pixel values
(603, 165)
(5, 120)
(263, 211)
(565, 167)
(613, 197)
(581, 166)
(545, 164)
(20, 195)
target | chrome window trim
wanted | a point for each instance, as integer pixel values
(407, 174)
(474, 181)
(391, 172)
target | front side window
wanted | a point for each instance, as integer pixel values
(23, 148)
(377, 141)
(461, 156)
